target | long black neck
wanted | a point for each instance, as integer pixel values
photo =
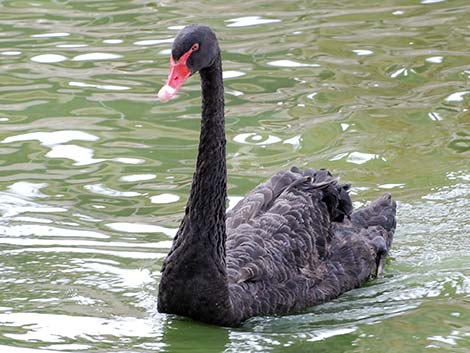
(207, 200)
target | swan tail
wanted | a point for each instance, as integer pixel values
(380, 213)
(361, 244)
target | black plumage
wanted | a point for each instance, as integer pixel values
(291, 243)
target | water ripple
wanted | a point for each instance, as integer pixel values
(250, 21)
(51, 35)
(11, 205)
(50, 328)
(164, 198)
(48, 231)
(290, 63)
(102, 190)
(105, 87)
(52, 138)
(141, 228)
(96, 56)
(48, 58)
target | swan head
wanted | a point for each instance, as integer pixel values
(194, 48)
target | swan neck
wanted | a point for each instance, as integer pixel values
(207, 200)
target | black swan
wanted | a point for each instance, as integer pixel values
(293, 242)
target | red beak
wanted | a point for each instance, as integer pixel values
(179, 72)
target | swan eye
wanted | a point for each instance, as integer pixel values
(195, 47)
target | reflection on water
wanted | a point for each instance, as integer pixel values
(104, 87)
(48, 58)
(95, 172)
(290, 63)
(249, 21)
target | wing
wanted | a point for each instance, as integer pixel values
(262, 198)
(259, 199)
(282, 227)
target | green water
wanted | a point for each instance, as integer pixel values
(94, 171)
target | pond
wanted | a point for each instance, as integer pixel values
(95, 171)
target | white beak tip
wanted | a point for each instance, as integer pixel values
(166, 93)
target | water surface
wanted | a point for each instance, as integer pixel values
(95, 172)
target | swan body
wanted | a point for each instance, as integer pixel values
(293, 242)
